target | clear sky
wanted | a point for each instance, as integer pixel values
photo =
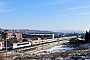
(45, 14)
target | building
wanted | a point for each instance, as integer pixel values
(9, 34)
(18, 35)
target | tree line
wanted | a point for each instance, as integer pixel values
(87, 36)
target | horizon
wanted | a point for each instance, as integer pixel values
(45, 14)
(47, 30)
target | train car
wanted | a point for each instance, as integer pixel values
(42, 41)
(45, 41)
(0, 46)
(54, 40)
(20, 45)
(35, 42)
(50, 40)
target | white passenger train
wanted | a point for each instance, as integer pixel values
(26, 44)
(32, 43)
(0, 46)
(20, 45)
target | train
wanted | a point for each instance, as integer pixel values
(30, 43)
(24, 44)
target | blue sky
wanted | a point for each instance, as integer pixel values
(45, 14)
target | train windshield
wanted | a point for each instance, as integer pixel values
(22, 44)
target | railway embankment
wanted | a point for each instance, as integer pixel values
(32, 50)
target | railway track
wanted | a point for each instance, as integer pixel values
(35, 47)
(31, 49)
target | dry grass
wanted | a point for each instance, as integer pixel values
(1, 57)
(55, 54)
(80, 48)
(23, 51)
(63, 54)
(18, 55)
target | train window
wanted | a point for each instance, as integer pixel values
(22, 44)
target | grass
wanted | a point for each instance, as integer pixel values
(1, 57)
(22, 51)
(63, 54)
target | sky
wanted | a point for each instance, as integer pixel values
(45, 14)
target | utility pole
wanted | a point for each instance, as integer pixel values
(42, 44)
(6, 48)
(58, 40)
